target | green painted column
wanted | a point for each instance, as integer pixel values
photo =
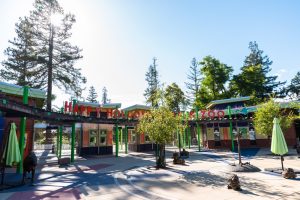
(121, 139)
(73, 142)
(57, 141)
(179, 143)
(117, 140)
(198, 129)
(230, 128)
(117, 137)
(189, 136)
(60, 140)
(22, 130)
(74, 101)
(177, 134)
(188, 131)
(126, 139)
(183, 134)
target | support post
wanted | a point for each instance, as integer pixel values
(126, 139)
(22, 130)
(73, 142)
(189, 136)
(198, 129)
(179, 143)
(74, 101)
(121, 139)
(230, 128)
(57, 141)
(183, 138)
(117, 140)
(60, 140)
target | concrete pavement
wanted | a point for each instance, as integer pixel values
(133, 177)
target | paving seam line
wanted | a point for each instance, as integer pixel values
(124, 189)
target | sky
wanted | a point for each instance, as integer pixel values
(119, 38)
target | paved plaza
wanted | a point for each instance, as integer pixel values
(133, 176)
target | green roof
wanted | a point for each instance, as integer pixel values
(111, 105)
(231, 100)
(137, 107)
(94, 105)
(18, 90)
(251, 109)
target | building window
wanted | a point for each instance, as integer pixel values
(102, 137)
(217, 137)
(103, 115)
(133, 136)
(93, 114)
(93, 138)
(252, 136)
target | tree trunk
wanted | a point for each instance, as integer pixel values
(239, 150)
(49, 66)
(161, 163)
(49, 86)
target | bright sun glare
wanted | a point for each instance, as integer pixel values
(56, 19)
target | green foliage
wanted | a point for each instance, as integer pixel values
(253, 79)
(266, 112)
(216, 75)
(42, 54)
(20, 67)
(92, 97)
(152, 93)
(105, 99)
(293, 90)
(160, 124)
(174, 98)
(193, 84)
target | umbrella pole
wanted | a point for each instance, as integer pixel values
(282, 162)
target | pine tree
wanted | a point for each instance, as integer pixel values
(56, 55)
(92, 97)
(152, 92)
(193, 85)
(293, 90)
(105, 99)
(21, 67)
(253, 79)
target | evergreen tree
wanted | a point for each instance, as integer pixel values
(105, 99)
(152, 92)
(193, 83)
(216, 75)
(20, 67)
(293, 90)
(56, 55)
(175, 98)
(92, 97)
(253, 79)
